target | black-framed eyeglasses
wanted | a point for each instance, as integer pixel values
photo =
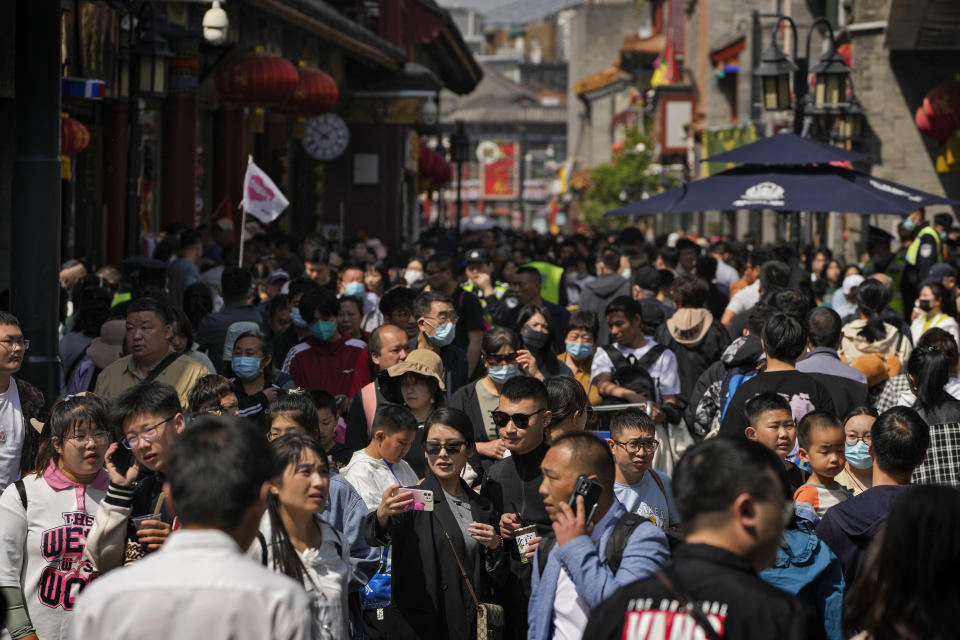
(10, 343)
(852, 440)
(507, 358)
(521, 420)
(433, 447)
(444, 318)
(148, 434)
(632, 446)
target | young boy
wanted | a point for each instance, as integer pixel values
(639, 488)
(822, 443)
(381, 465)
(770, 422)
(146, 419)
(328, 420)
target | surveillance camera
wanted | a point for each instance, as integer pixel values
(215, 24)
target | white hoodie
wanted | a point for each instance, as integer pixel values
(371, 476)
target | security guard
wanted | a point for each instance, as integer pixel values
(480, 282)
(927, 247)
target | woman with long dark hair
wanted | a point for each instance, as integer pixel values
(45, 519)
(868, 343)
(907, 589)
(294, 541)
(537, 333)
(430, 547)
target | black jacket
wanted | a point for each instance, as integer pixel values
(748, 607)
(693, 360)
(427, 587)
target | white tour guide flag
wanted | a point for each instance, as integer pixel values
(261, 197)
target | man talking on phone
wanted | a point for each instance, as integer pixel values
(596, 546)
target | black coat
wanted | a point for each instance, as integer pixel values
(427, 587)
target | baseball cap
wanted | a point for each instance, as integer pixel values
(277, 275)
(477, 255)
(938, 272)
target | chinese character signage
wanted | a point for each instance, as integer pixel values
(501, 178)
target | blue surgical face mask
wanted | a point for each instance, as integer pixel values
(444, 334)
(579, 350)
(355, 289)
(297, 319)
(246, 367)
(323, 330)
(909, 224)
(859, 455)
(504, 372)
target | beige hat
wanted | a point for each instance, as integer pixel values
(107, 349)
(689, 326)
(422, 362)
(224, 223)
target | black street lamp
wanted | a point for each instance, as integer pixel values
(459, 153)
(152, 54)
(776, 68)
(775, 71)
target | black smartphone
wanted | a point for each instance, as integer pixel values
(122, 459)
(591, 491)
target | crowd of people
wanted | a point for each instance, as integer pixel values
(506, 435)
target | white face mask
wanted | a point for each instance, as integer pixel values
(411, 276)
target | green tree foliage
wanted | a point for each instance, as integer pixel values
(626, 178)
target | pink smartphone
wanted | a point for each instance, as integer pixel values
(422, 499)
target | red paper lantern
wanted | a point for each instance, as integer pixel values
(941, 106)
(316, 93)
(258, 79)
(74, 137)
(423, 160)
(447, 173)
(932, 127)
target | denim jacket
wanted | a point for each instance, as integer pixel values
(584, 559)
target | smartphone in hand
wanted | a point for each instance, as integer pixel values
(422, 499)
(591, 490)
(122, 459)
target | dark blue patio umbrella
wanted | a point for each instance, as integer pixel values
(786, 148)
(819, 188)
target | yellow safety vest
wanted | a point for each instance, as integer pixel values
(550, 276)
(915, 246)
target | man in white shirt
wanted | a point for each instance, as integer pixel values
(623, 316)
(200, 585)
(17, 443)
(726, 275)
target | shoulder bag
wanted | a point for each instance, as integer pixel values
(490, 618)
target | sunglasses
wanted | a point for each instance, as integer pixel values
(521, 420)
(454, 447)
(508, 358)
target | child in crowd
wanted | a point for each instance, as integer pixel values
(822, 442)
(770, 422)
(293, 413)
(328, 420)
(642, 490)
(213, 394)
(380, 465)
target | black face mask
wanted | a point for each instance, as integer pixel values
(924, 305)
(534, 339)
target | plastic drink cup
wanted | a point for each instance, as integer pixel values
(139, 520)
(523, 536)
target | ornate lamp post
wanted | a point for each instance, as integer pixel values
(459, 153)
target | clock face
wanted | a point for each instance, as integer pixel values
(327, 136)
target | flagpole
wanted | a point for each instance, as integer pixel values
(243, 226)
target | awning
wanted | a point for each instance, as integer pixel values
(602, 83)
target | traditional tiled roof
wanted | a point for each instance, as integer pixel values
(600, 80)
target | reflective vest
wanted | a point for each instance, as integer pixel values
(499, 288)
(550, 276)
(915, 246)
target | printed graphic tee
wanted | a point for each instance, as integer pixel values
(647, 500)
(41, 548)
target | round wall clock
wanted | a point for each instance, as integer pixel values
(327, 136)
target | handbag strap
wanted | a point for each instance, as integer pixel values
(463, 572)
(163, 364)
(687, 602)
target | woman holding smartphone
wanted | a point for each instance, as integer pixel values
(429, 594)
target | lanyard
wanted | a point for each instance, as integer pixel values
(934, 321)
(390, 466)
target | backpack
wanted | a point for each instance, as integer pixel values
(615, 544)
(635, 375)
(732, 379)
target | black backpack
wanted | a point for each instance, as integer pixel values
(615, 544)
(633, 373)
